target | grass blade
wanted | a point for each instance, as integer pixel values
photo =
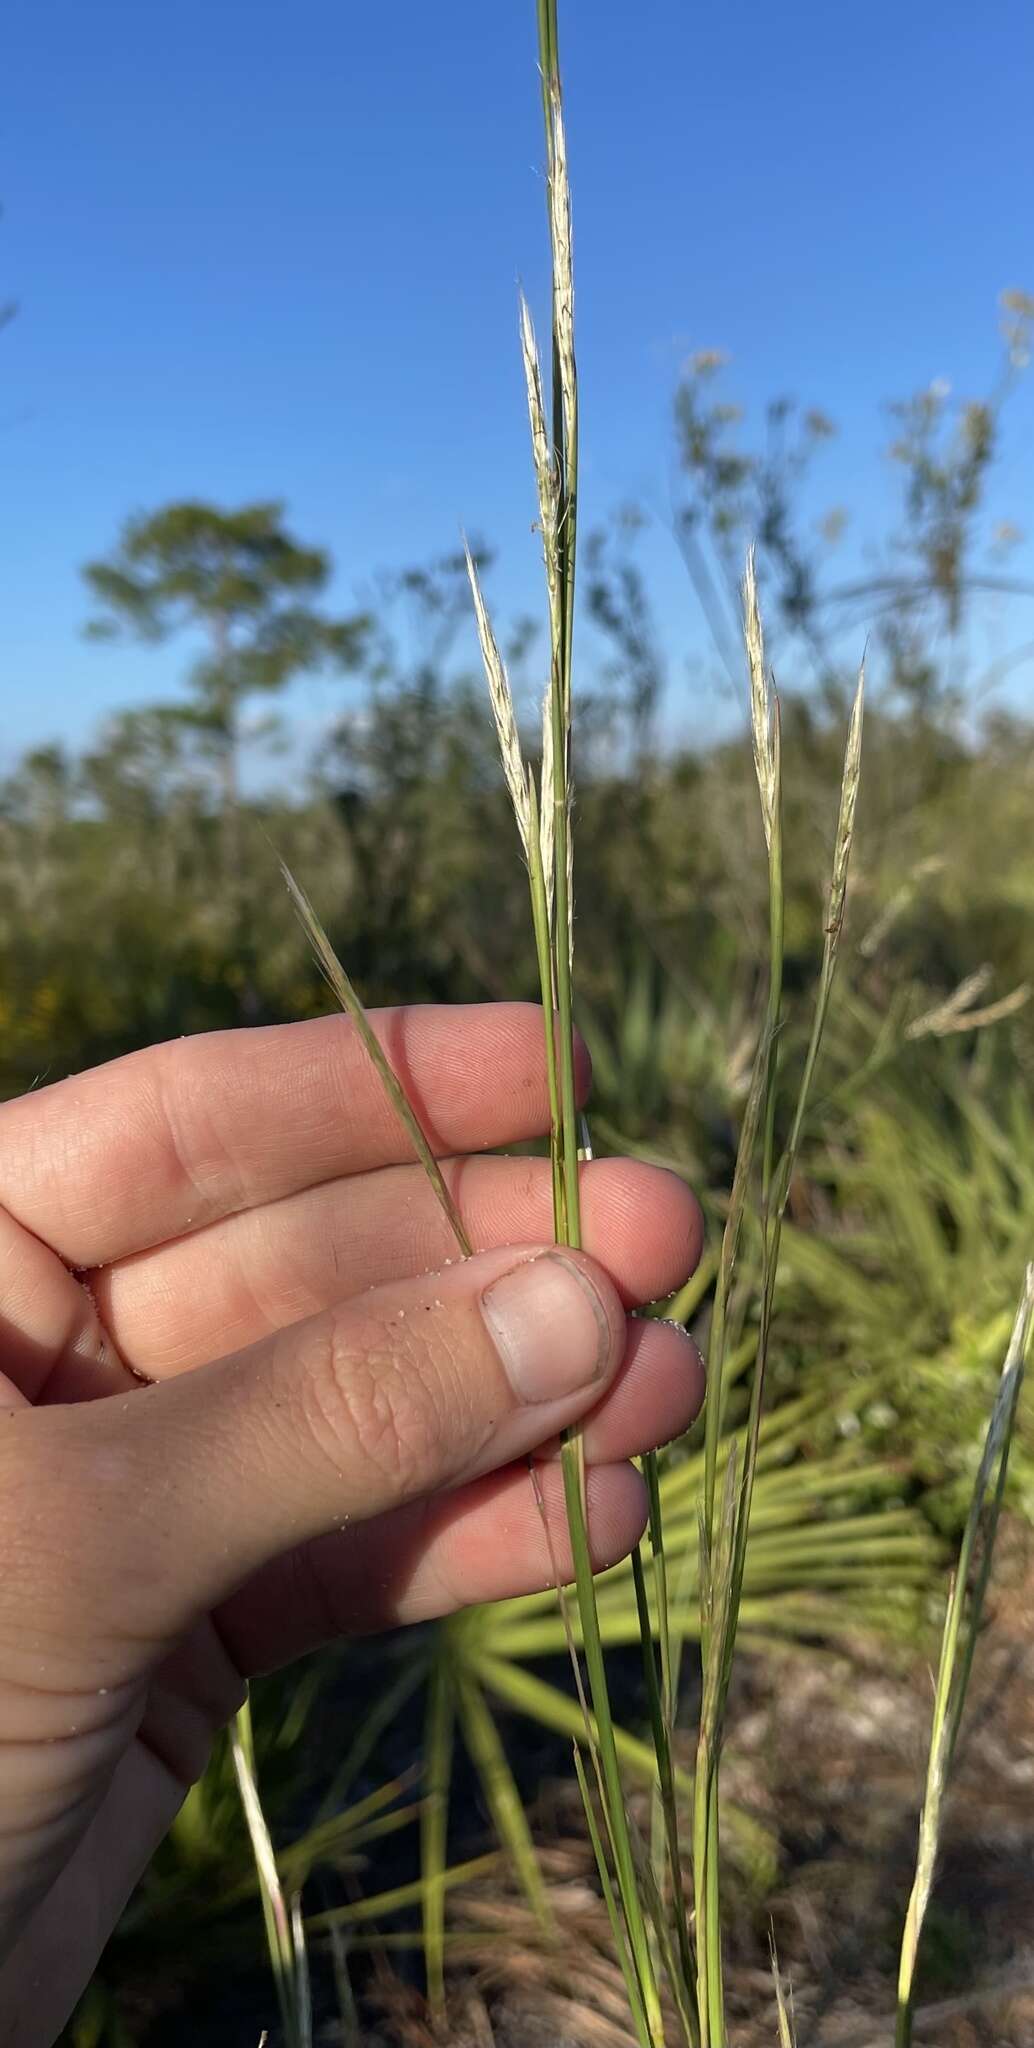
(285, 1933)
(635, 1998)
(434, 1831)
(489, 1757)
(958, 1644)
(784, 2013)
(350, 1002)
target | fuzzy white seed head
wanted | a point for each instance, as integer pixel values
(563, 268)
(763, 716)
(846, 816)
(545, 469)
(501, 699)
(546, 480)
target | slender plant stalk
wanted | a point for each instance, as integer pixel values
(682, 1978)
(543, 951)
(536, 837)
(633, 1891)
(399, 1899)
(635, 1998)
(784, 2011)
(716, 1617)
(723, 1551)
(485, 1746)
(285, 1933)
(434, 1830)
(776, 1193)
(562, 532)
(958, 1643)
(664, 1825)
(679, 1983)
(343, 989)
(544, 825)
(652, 1476)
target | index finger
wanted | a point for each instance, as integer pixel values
(166, 1140)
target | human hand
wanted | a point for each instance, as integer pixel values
(333, 1436)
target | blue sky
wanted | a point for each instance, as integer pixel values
(268, 250)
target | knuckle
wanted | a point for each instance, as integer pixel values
(383, 1404)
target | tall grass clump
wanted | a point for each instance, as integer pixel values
(543, 814)
(663, 1896)
(651, 1926)
(725, 1515)
(646, 1897)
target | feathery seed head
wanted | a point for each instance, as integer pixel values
(763, 717)
(545, 468)
(563, 267)
(846, 815)
(501, 699)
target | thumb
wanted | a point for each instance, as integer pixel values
(392, 1396)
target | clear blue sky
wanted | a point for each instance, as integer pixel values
(272, 250)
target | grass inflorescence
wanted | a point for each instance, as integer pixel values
(693, 1578)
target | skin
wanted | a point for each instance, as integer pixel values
(251, 1401)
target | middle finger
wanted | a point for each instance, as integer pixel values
(225, 1287)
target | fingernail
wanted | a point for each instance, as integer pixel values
(549, 1326)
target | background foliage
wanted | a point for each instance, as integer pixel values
(140, 899)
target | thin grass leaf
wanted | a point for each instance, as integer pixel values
(380, 1716)
(563, 478)
(606, 1738)
(338, 981)
(380, 1905)
(784, 2012)
(285, 1933)
(723, 1548)
(433, 1833)
(679, 1974)
(714, 1412)
(682, 1978)
(717, 1550)
(343, 1832)
(539, 876)
(302, 1980)
(663, 1818)
(547, 821)
(551, 1708)
(958, 1644)
(348, 2009)
(490, 1760)
(635, 1998)
(776, 1184)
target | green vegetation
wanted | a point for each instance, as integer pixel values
(910, 1210)
(844, 1073)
